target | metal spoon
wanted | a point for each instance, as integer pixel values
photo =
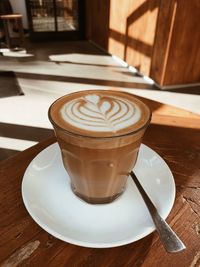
(169, 239)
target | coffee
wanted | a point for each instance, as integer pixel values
(99, 133)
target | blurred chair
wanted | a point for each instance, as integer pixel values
(7, 18)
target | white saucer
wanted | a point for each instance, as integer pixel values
(48, 198)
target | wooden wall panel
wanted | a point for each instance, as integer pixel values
(183, 64)
(132, 31)
(176, 53)
(97, 21)
(141, 26)
(160, 38)
(117, 27)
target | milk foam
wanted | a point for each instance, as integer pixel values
(100, 113)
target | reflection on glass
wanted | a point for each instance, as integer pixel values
(67, 15)
(42, 13)
(45, 12)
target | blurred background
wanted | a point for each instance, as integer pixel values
(49, 48)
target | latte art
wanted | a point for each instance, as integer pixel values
(98, 113)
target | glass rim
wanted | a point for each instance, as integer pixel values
(99, 137)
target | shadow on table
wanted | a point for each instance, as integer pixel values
(9, 84)
(179, 147)
(23, 134)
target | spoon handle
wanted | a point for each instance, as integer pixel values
(169, 239)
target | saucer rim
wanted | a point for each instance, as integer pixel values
(93, 244)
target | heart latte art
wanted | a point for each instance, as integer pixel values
(94, 112)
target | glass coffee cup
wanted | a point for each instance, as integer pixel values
(99, 133)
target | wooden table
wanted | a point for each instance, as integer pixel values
(23, 243)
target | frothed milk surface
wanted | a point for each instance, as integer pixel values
(99, 113)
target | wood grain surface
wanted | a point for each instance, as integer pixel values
(24, 243)
(160, 38)
(184, 53)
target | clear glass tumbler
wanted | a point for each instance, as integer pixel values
(98, 166)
